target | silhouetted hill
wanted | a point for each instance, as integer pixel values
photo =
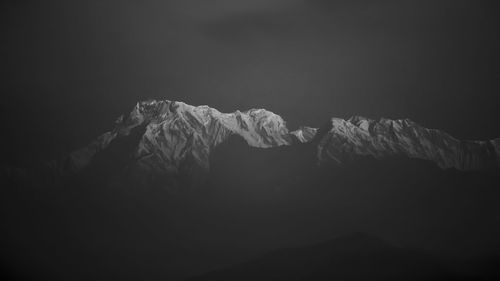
(352, 257)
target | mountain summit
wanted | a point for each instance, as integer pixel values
(163, 138)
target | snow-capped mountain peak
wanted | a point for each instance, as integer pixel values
(172, 138)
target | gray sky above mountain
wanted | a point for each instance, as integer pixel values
(71, 67)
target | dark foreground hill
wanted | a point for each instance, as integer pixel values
(356, 256)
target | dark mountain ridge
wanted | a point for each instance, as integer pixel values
(356, 256)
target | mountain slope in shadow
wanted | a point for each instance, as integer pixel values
(356, 256)
(256, 200)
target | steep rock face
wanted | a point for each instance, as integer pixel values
(174, 137)
(304, 134)
(363, 136)
(179, 136)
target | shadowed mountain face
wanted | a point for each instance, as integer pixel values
(412, 201)
(99, 225)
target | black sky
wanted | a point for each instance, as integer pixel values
(70, 67)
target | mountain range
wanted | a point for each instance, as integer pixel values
(171, 140)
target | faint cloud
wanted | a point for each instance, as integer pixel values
(211, 10)
(242, 27)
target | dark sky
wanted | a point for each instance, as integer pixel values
(70, 67)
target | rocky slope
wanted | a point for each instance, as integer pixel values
(177, 138)
(361, 136)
